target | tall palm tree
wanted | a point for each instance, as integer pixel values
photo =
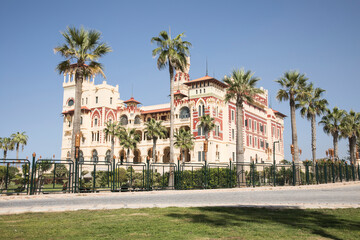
(82, 49)
(171, 53)
(184, 141)
(112, 129)
(207, 123)
(6, 144)
(331, 125)
(241, 88)
(350, 128)
(155, 130)
(293, 86)
(129, 140)
(19, 139)
(311, 107)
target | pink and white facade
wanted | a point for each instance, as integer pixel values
(193, 98)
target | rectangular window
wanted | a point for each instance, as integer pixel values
(111, 100)
(196, 92)
(200, 90)
(233, 134)
(199, 131)
(265, 129)
(249, 123)
(250, 140)
(262, 143)
(201, 156)
(82, 101)
(278, 133)
(98, 136)
(267, 144)
(255, 141)
(255, 125)
(204, 90)
(233, 156)
(246, 122)
(96, 99)
(86, 100)
(95, 122)
(232, 115)
(261, 128)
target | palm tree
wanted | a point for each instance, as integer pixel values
(6, 144)
(293, 89)
(207, 123)
(129, 140)
(172, 53)
(331, 125)
(155, 130)
(241, 88)
(313, 106)
(112, 129)
(350, 128)
(82, 49)
(19, 139)
(184, 141)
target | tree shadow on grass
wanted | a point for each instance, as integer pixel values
(316, 221)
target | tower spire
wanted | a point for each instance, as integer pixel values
(206, 67)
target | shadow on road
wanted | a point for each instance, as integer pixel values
(315, 221)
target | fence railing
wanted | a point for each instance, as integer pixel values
(66, 176)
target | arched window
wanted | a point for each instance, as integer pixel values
(184, 112)
(201, 110)
(137, 120)
(123, 120)
(94, 157)
(81, 157)
(108, 156)
(200, 131)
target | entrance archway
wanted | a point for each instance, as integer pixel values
(166, 157)
(122, 155)
(187, 156)
(137, 155)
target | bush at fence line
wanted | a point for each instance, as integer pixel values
(284, 176)
(215, 178)
(61, 172)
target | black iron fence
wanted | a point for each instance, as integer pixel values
(66, 176)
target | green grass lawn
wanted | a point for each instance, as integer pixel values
(185, 223)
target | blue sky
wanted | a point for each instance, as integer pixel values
(318, 38)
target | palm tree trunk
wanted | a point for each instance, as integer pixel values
(313, 137)
(183, 156)
(154, 150)
(294, 130)
(171, 175)
(17, 151)
(335, 142)
(240, 158)
(5, 153)
(77, 111)
(127, 155)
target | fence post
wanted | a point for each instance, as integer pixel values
(294, 173)
(148, 173)
(307, 172)
(325, 171)
(205, 166)
(274, 174)
(230, 182)
(32, 174)
(333, 172)
(346, 172)
(113, 175)
(178, 180)
(253, 174)
(317, 172)
(340, 171)
(353, 171)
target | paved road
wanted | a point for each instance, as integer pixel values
(321, 196)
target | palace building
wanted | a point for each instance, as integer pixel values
(101, 103)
